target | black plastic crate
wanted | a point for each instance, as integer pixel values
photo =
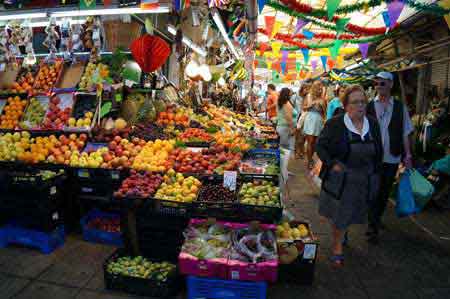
(220, 209)
(96, 182)
(149, 218)
(140, 286)
(171, 208)
(302, 269)
(265, 214)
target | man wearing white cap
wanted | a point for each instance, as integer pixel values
(396, 126)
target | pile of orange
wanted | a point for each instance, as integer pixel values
(232, 141)
(12, 112)
(47, 76)
(23, 84)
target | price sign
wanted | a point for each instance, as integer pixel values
(83, 173)
(229, 180)
(309, 251)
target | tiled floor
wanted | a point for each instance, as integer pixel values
(409, 263)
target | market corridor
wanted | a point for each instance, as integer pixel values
(407, 264)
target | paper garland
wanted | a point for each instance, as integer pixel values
(327, 25)
(332, 6)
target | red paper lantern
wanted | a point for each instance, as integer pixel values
(150, 52)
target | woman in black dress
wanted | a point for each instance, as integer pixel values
(351, 151)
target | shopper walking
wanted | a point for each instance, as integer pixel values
(313, 122)
(272, 100)
(286, 116)
(351, 150)
(299, 137)
(335, 106)
(396, 126)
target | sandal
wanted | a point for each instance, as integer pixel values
(337, 260)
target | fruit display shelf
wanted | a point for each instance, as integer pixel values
(101, 227)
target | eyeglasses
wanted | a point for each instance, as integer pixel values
(358, 103)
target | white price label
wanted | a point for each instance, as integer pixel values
(309, 251)
(52, 190)
(83, 173)
(55, 216)
(229, 180)
(229, 63)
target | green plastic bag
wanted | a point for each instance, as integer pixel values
(422, 189)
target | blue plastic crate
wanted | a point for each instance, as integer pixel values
(207, 288)
(268, 152)
(99, 236)
(46, 242)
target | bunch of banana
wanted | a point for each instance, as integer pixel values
(239, 72)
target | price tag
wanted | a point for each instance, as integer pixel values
(52, 190)
(309, 252)
(87, 190)
(55, 216)
(229, 63)
(229, 180)
(2, 67)
(83, 173)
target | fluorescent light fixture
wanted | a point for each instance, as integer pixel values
(109, 11)
(59, 23)
(357, 65)
(188, 42)
(19, 16)
(218, 20)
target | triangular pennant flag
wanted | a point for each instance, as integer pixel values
(284, 55)
(305, 55)
(302, 74)
(446, 4)
(324, 62)
(330, 64)
(276, 28)
(308, 34)
(364, 49)
(314, 65)
(261, 4)
(276, 46)
(394, 10)
(386, 19)
(270, 22)
(334, 50)
(300, 24)
(332, 5)
(298, 66)
(269, 64)
(255, 64)
(87, 4)
(262, 48)
(340, 25)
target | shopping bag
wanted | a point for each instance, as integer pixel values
(405, 204)
(442, 165)
(422, 189)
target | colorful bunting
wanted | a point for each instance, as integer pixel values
(276, 46)
(334, 51)
(305, 55)
(298, 66)
(270, 22)
(332, 5)
(340, 25)
(284, 56)
(181, 5)
(269, 64)
(386, 19)
(276, 28)
(308, 34)
(330, 64)
(261, 4)
(263, 47)
(300, 24)
(446, 5)
(364, 49)
(340, 61)
(87, 4)
(394, 10)
(314, 64)
(324, 62)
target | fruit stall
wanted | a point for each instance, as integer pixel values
(102, 145)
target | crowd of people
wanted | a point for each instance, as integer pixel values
(359, 141)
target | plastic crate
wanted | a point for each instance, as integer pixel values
(265, 214)
(263, 154)
(201, 288)
(140, 286)
(96, 182)
(153, 216)
(46, 242)
(220, 210)
(99, 236)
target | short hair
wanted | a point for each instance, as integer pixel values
(271, 86)
(349, 90)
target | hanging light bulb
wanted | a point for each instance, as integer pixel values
(192, 69)
(204, 72)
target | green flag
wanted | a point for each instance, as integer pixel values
(334, 50)
(332, 5)
(298, 66)
(340, 25)
(88, 4)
